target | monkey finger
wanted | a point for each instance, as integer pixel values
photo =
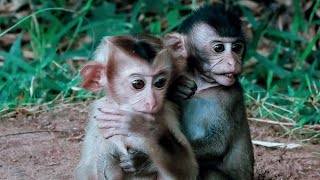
(110, 110)
(117, 114)
(187, 81)
(110, 134)
(181, 95)
(186, 89)
(189, 85)
(108, 117)
(186, 93)
(141, 116)
(194, 87)
(190, 94)
(110, 124)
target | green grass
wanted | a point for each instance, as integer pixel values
(281, 85)
(287, 79)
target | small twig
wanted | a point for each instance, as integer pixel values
(33, 132)
(313, 127)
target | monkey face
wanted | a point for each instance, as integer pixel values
(146, 92)
(134, 71)
(225, 61)
(142, 85)
(219, 58)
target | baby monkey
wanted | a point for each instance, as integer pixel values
(214, 120)
(135, 71)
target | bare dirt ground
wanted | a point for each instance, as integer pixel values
(47, 146)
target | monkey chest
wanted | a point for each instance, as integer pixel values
(201, 117)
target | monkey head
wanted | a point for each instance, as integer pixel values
(136, 72)
(217, 58)
(214, 44)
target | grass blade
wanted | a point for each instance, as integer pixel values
(271, 66)
(307, 51)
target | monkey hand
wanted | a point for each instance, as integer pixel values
(137, 162)
(120, 122)
(182, 88)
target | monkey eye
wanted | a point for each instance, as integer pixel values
(137, 84)
(218, 48)
(160, 83)
(237, 47)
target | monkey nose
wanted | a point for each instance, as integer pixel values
(151, 107)
(232, 67)
(150, 104)
(231, 63)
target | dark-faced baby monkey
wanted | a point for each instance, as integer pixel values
(135, 71)
(214, 119)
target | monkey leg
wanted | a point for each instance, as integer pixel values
(239, 161)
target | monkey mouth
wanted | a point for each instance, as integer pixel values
(229, 75)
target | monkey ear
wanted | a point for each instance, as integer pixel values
(176, 44)
(94, 76)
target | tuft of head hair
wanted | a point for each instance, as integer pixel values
(141, 45)
(223, 20)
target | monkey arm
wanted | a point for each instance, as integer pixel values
(171, 147)
(140, 163)
(162, 156)
(163, 140)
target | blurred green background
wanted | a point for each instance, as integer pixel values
(44, 43)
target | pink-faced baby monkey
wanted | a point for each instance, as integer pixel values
(135, 71)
